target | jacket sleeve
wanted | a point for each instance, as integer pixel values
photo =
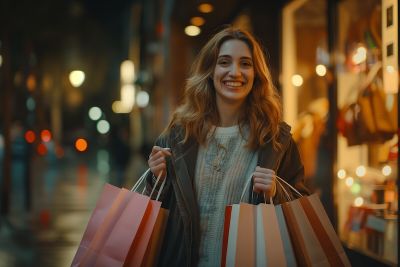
(290, 169)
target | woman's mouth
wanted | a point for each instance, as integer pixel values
(233, 83)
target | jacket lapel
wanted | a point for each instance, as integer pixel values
(184, 162)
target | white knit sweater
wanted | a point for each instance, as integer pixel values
(222, 169)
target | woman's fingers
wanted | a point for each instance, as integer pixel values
(157, 161)
(159, 151)
(264, 181)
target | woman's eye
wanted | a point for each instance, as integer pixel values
(247, 64)
(223, 62)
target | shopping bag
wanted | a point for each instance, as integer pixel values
(119, 230)
(106, 199)
(240, 242)
(154, 246)
(269, 246)
(314, 240)
(286, 242)
(255, 235)
(113, 240)
(142, 238)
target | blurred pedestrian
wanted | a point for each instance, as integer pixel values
(228, 130)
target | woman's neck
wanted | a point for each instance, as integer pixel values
(228, 114)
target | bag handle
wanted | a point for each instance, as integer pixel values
(371, 74)
(279, 180)
(360, 86)
(142, 179)
(252, 193)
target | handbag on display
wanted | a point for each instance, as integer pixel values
(125, 228)
(368, 120)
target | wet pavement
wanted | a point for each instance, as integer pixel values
(63, 194)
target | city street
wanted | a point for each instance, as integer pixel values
(64, 192)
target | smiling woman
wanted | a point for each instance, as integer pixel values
(228, 128)
(233, 79)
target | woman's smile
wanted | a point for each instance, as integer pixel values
(234, 72)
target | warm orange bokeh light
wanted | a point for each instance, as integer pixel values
(31, 83)
(41, 149)
(81, 144)
(30, 136)
(45, 135)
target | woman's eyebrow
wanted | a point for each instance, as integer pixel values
(229, 56)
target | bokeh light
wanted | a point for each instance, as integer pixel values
(361, 171)
(45, 135)
(341, 174)
(349, 181)
(103, 126)
(320, 70)
(360, 55)
(205, 8)
(41, 149)
(142, 99)
(387, 170)
(77, 77)
(197, 21)
(355, 188)
(31, 83)
(297, 80)
(30, 136)
(192, 30)
(95, 113)
(127, 72)
(30, 104)
(358, 202)
(81, 144)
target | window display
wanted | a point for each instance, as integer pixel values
(362, 66)
(366, 190)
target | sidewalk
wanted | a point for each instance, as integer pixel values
(63, 195)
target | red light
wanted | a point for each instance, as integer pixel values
(45, 135)
(41, 149)
(81, 144)
(30, 136)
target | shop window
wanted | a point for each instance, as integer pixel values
(304, 77)
(367, 86)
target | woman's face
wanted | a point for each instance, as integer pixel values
(234, 72)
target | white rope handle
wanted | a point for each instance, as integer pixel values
(252, 193)
(245, 187)
(142, 178)
(155, 185)
(291, 187)
(139, 181)
(284, 190)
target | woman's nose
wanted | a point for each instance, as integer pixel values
(235, 70)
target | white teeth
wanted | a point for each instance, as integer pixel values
(233, 84)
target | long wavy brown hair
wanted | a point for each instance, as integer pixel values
(198, 112)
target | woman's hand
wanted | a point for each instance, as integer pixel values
(264, 181)
(157, 162)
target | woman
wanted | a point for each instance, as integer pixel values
(228, 130)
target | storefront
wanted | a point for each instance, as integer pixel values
(340, 90)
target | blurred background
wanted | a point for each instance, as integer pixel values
(87, 86)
